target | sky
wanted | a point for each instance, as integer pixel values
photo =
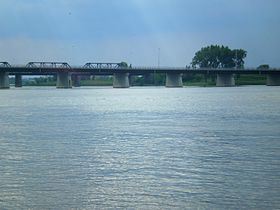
(139, 32)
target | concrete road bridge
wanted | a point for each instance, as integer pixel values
(66, 73)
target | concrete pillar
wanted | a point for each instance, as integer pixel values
(76, 80)
(121, 80)
(63, 80)
(174, 80)
(4, 80)
(18, 80)
(273, 79)
(130, 79)
(225, 80)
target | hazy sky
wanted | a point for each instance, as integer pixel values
(80, 31)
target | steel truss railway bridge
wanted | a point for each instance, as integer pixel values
(67, 74)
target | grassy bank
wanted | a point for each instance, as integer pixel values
(96, 82)
(200, 84)
(49, 83)
(250, 79)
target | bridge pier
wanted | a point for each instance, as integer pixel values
(76, 80)
(18, 80)
(63, 80)
(121, 80)
(273, 79)
(225, 80)
(4, 80)
(174, 80)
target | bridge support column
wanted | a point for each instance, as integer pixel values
(63, 80)
(273, 79)
(225, 80)
(18, 80)
(76, 80)
(121, 80)
(174, 80)
(4, 80)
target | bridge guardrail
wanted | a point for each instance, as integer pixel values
(111, 66)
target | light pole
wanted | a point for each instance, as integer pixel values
(158, 57)
(236, 59)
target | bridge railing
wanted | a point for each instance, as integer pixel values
(102, 65)
(111, 66)
(156, 68)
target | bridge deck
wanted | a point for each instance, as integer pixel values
(29, 70)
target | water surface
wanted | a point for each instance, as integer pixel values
(140, 148)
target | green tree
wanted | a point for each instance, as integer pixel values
(123, 64)
(263, 66)
(215, 56)
(239, 56)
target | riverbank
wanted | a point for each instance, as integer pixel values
(199, 81)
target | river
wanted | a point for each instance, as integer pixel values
(140, 148)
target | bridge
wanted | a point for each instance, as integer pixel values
(120, 72)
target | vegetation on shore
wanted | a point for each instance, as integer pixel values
(157, 80)
(215, 56)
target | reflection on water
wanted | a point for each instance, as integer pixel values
(146, 148)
